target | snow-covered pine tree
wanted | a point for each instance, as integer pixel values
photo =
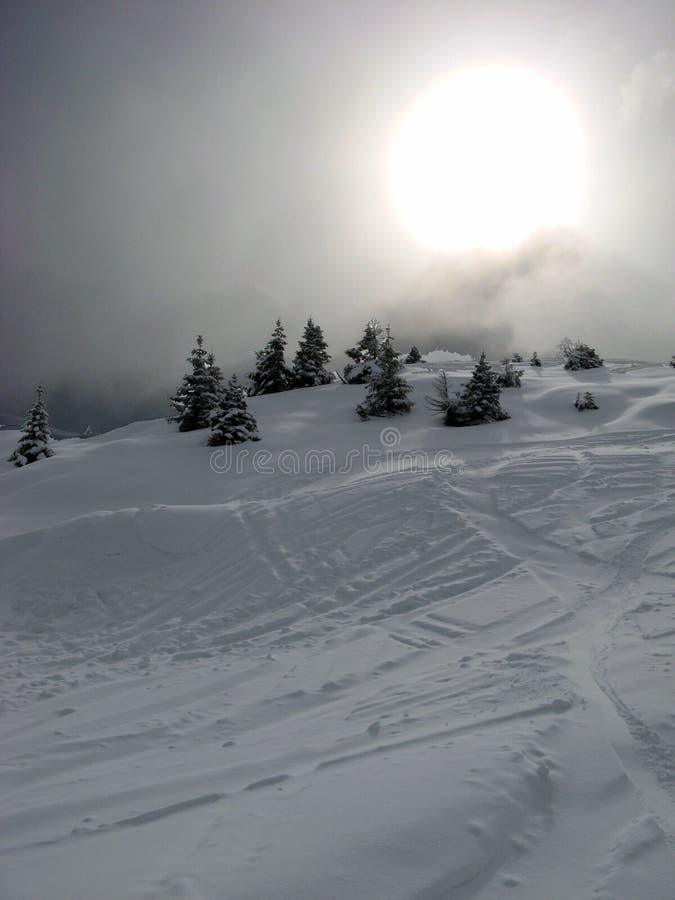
(414, 356)
(479, 401)
(535, 361)
(439, 404)
(311, 358)
(36, 437)
(516, 357)
(271, 373)
(511, 376)
(365, 352)
(585, 402)
(672, 360)
(388, 390)
(231, 422)
(199, 390)
(580, 356)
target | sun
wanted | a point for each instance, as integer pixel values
(485, 158)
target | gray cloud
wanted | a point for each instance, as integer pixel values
(650, 91)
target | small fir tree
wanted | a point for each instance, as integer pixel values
(535, 361)
(231, 422)
(36, 438)
(479, 401)
(271, 373)
(439, 404)
(516, 357)
(311, 359)
(199, 390)
(672, 360)
(585, 402)
(565, 347)
(414, 356)
(388, 390)
(510, 377)
(364, 355)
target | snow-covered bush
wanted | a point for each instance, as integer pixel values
(585, 402)
(581, 356)
(510, 377)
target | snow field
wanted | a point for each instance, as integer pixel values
(447, 683)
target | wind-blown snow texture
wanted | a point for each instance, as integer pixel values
(447, 683)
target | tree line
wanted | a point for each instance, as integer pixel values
(204, 400)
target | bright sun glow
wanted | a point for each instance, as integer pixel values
(487, 157)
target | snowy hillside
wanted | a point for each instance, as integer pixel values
(441, 667)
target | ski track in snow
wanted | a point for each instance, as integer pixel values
(424, 686)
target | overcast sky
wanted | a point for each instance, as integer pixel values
(172, 167)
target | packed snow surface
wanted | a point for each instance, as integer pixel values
(382, 660)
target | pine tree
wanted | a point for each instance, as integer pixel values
(672, 360)
(479, 401)
(388, 390)
(414, 356)
(311, 358)
(271, 373)
(199, 390)
(231, 422)
(364, 353)
(439, 404)
(516, 357)
(585, 402)
(535, 361)
(510, 377)
(36, 438)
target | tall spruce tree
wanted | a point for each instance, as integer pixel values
(311, 358)
(231, 422)
(363, 354)
(479, 401)
(199, 390)
(271, 373)
(36, 438)
(388, 390)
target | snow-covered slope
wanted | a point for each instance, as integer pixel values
(440, 667)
